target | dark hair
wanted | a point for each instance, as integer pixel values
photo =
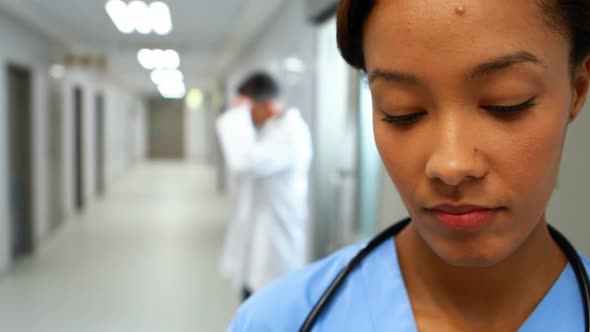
(259, 86)
(570, 17)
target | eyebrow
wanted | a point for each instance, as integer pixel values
(482, 69)
(504, 62)
(394, 77)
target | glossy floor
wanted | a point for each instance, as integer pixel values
(142, 259)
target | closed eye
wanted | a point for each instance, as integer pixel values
(406, 119)
(501, 110)
(512, 109)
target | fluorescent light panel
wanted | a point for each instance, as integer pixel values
(158, 59)
(160, 18)
(172, 89)
(119, 14)
(164, 76)
(170, 83)
(140, 17)
(139, 12)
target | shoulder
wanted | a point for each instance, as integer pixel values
(586, 261)
(296, 126)
(284, 304)
(294, 117)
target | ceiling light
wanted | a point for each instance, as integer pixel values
(294, 65)
(174, 90)
(119, 14)
(158, 59)
(171, 59)
(146, 59)
(164, 76)
(159, 16)
(139, 15)
(194, 99)
(175, 95)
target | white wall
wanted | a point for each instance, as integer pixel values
(25, 47)
(134, 128)
(124, 132)
(139, 142)
(28, 48)
(125, 129)
(391, 208)
(118, 104)
(334, 173)
(572, 195)
(198, 138)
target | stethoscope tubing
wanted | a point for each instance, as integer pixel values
(574, 259)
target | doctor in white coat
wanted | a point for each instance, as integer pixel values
(268, 151)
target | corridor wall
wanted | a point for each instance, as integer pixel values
(24, 46)
(29, 48)
(572, 192)
(124, 131)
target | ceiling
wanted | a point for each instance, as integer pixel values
(208, 34)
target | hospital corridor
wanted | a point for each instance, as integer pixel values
(144, 258)
(162, 162)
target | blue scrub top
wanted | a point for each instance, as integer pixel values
(374, 298)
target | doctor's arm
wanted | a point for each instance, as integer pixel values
(268, 156)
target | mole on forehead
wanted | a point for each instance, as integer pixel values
(460, 10)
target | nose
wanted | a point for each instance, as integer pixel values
(455, 157)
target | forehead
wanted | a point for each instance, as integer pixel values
(404, 33)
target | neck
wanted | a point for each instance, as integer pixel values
(485, 295)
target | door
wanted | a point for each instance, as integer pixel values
(100, 169)
(19, 117)
(78, 150)
(166, 129)
(56, 118)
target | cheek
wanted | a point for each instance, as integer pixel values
(527, 161)
(527, 154)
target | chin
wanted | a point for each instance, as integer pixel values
(467, 256)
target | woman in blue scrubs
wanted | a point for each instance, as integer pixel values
(472, 102)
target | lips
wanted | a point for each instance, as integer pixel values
(464, 217)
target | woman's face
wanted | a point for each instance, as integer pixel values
(470, 114)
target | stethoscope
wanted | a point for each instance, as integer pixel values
(330, 292)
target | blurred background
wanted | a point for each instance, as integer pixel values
(113, 190)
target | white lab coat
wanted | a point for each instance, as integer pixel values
(266, 235)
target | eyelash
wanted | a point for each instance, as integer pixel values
(403, 120)
(511, 110)
(507, 111)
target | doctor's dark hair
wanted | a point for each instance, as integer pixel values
(259, 86)
(569, 17)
